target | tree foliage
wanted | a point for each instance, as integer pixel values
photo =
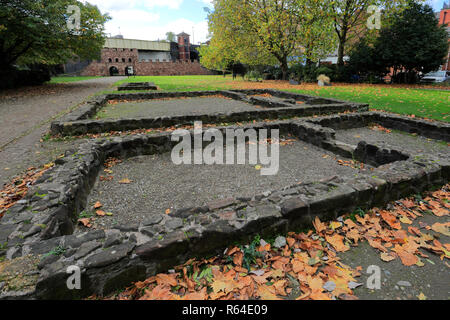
(170, 36)
(259, 32)
(412, 42)
(36, 32)
(351, 17)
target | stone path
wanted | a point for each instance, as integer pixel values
(26, 114)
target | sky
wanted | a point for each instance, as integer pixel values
(151, 19)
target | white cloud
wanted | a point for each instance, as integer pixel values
(144, 31)
(139, 19)
(107, 5)
(207, 2)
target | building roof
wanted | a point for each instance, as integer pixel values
(183, 34)
(137, 44)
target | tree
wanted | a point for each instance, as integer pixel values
(414, 42)
(270, 31)
(170, 36)
(410, 43)
(215, 57)
(365, 62)
(351, 16)
(37, 32)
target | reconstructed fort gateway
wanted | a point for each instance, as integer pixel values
(146, 58)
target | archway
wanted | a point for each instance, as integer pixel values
(113, 71)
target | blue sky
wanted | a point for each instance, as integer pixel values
(151, 19)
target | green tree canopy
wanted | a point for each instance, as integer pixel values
(37, 32)
(414, 41)
(410, 43)
(269, 31)
(170, 36)
(351, 17)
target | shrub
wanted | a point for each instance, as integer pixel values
(14, 78)
(327, 71)
(323, 78)
(253, 76)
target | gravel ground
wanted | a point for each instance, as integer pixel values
(413, 145)
(26, 114)
(186, 106)
(399, 282)
(158, 184)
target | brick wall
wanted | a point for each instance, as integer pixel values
(444, 18)
(109, 57)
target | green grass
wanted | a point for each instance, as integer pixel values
(69, 79)
(184, 83)
(432, 104)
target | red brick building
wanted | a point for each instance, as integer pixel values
(140, 57)
(184, 46)
(444, 19)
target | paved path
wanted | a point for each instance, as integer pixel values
(25, 115)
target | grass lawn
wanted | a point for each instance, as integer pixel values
(414, 100)
(69, 79)
(432, 104)
(184, 83)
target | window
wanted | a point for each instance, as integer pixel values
(117, 59)
(129, 59)
(123, 59)
(110, 60)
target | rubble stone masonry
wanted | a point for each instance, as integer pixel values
(123, 58)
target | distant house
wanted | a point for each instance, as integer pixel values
(333, 58)
(444, 19)
(121, 56)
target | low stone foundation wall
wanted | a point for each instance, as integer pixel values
(76, 123)
(429, 129)
(179, 68)
(110, 259)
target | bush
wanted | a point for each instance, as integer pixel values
(324, 79)
(13, 78)
(328, 71)
(272, 73)
(253, 76)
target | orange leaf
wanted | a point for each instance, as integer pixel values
(97, 205)
(267, 292)
(407, 258)
(238, 258)
(337, 242)
(100, 213)
(319, 226)
(390, 219)
(85, 222)
(166, 279)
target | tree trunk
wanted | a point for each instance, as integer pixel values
(342, 40)
(284, 68)
(340, 60)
